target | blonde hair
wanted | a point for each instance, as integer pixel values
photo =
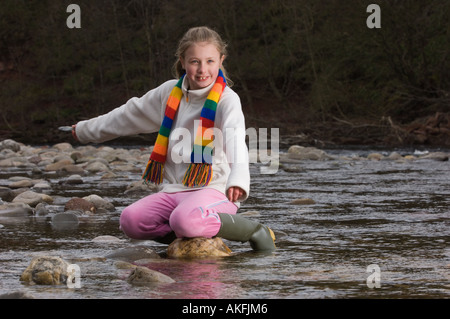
(195, 35)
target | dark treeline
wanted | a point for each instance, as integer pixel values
(293, 62)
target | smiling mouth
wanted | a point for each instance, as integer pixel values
(202, 78)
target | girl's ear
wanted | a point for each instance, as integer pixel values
(222, 59)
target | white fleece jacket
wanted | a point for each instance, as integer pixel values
(145, 115)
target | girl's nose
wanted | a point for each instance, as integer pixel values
(201, 68)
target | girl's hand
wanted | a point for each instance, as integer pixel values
(74, 133)
(234, 193)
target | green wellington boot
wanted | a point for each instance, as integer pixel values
(237, 228)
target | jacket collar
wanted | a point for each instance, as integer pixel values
(195, 95)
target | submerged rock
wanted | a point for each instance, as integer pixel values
(65, 221)
(15, 210)
(17, 295)
(143, 276)
(46, 270)
(106, 239)
(198, 247)
(133, 253)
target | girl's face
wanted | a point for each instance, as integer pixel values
(201, 61)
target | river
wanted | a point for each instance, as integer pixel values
(374, 229)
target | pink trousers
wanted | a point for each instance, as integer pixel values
(188, 214)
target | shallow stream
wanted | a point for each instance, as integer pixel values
(390, 213)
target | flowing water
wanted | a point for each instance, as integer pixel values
(392, 214)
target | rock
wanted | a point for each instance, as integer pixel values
(17, 295)
(109, 175)
(375, 157)
(63, 147)
(79, 204)
(144, 276)
(292, 168)
(99, 203)
(47, 270)
(96, 167)
(21, 183)
(73, 180)
(6, 194)
(253, 213)
(307, 153)
(15, 210)
(10, 145)
(437, 156)
(124, 265)
(106, 239)
(40, 186)
(41, 210)
(395, 156)
(133, 253)
(58, 165)
(31, 198)
(140, 187)
(65, 221)
(198, 247)
(302, 201)
(72, 169)
(76, 156)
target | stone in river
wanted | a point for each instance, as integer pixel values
(198, 247)
(65, 221)
(133, 253)
(46, 270)
(80, 204)
(143, 276)
(31, 198)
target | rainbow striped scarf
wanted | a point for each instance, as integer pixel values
(199, 172)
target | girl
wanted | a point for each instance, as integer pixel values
(200, 185)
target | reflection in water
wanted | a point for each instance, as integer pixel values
(390, 213)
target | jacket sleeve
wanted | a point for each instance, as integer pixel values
(232, 125)
(137, 115)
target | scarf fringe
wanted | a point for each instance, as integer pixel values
(153, 173)
(198, 174)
